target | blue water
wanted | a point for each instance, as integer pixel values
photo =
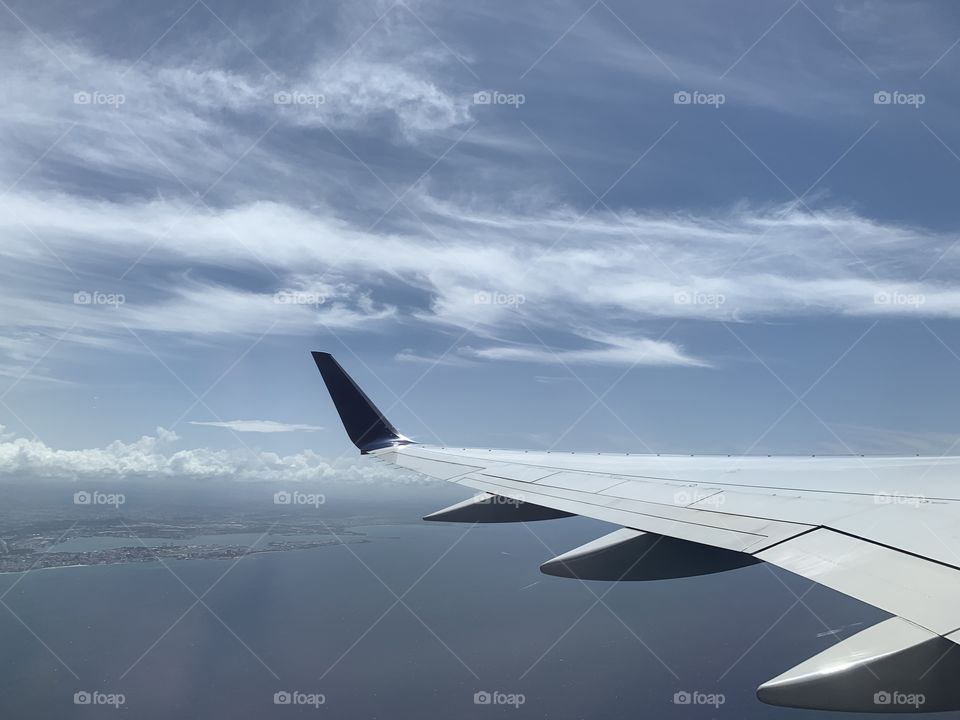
(481, 619)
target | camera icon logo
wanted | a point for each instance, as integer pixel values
(482, 697)
(282, 698)
(81, 98)
(82, 497)
(82, 298)
(881, 698)
(682, 97)
(882, 97)
(484, 97)
(82, 697)
(682, 698)
(282, 98)
(282, 498)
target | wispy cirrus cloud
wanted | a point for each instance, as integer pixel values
(258, 426)
(499, 277)
(611, 351)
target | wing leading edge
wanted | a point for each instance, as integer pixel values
(836, 521)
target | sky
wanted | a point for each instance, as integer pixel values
(607, 226)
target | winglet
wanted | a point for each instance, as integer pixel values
(365, 424)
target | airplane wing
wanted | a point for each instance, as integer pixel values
(884, 530)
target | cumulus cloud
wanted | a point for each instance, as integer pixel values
(259, 426)
(155, 457)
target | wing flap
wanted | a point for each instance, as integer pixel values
(582, 482)
(929, 528)
(441, 469)
(710, 528)
(917, 589)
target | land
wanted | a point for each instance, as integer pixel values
(34, 545)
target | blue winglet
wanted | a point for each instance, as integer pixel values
(365, 424)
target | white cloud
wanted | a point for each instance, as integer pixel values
(690, 53)
(610, 274)
(608, 351)
(154, 457)
(189, 121)
(259, 426)
(193, 118)
(360, 91)
(886, 441)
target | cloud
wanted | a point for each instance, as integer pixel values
(107, 210)
(259, 426)
(889, 441)
(607, 350)
(751, 69)
(360, 92)
(184, 119)
(496, 276)
(153, 457)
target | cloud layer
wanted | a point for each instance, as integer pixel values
(290, 199)
(495, 275)
(155, 457)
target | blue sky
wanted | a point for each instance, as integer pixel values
(195, 195)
